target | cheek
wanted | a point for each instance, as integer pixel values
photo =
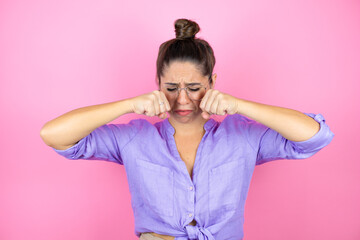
(198, 107)
(171, 102)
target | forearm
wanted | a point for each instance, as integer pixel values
(72, 126)
(291, 124)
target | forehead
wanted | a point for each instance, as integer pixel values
(182, 72)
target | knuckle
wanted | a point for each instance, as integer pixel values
(148, 102)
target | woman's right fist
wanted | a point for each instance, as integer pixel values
(151, 104)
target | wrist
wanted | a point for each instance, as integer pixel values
(239, 106)
(126, 105)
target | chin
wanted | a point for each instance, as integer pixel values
(185, 119)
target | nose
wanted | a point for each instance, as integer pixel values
(183, 98)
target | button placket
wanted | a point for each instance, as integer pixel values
(192, 197)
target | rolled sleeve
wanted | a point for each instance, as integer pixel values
(271, 145)
(321, 139)
(71, 153)
(104, 143)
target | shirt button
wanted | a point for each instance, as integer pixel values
(190, 215)
(190, 188)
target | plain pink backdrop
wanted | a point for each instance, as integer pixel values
(56, 56)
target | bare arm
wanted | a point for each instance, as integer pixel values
(291, 124)
(69, 128)
(65, 131)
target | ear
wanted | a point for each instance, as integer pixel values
(214, 76)
(157, 83)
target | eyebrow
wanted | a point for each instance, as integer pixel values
(188, 84)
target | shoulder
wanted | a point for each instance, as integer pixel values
(237, 124)
(134, 126)
(134, 123)
(231, 124)
(140, 122)
(237, 120)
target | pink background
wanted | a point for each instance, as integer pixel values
(56, 56)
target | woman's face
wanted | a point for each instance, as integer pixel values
(184, 109)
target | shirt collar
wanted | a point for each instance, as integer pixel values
(170, 129)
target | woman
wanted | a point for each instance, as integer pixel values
(188, 175)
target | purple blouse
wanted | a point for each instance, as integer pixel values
(164, 199)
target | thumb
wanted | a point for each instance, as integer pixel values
(162, 115)
(205, 115)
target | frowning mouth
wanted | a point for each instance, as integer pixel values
(183, 112)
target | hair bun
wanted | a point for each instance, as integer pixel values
(185, 28)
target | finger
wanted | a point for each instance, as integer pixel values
(165, 100)
(205, 115)
(156, 107)
(210, 101)
(221, 109)
(161, 115)
(155, 103)
(160, 102)
(214, 106)
(205, 98)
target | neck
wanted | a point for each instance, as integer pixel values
(188, 129)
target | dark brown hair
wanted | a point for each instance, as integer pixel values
(185, 47)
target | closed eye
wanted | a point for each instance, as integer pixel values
(171, 89)
(194, 89)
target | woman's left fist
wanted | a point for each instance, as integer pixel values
(219, 103)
